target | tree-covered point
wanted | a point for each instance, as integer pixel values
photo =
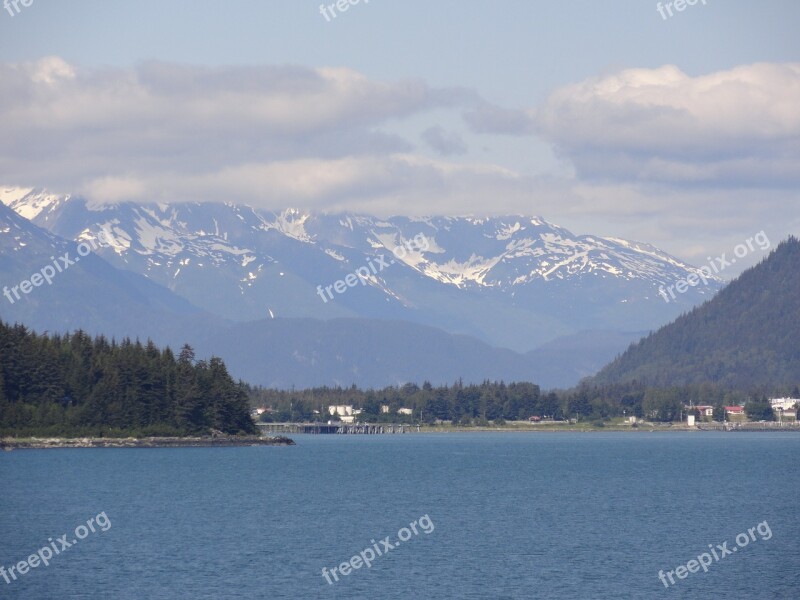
(75, 385)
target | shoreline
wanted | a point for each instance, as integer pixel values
(641, 428)
(34, 443)
(611, 430)
(599, 430)
(556, 427)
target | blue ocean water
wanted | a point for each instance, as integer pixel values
(508, 516)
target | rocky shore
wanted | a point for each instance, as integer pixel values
(151, 442)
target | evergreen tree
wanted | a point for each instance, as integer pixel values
(76, 384)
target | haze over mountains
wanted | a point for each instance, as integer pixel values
(247, 281)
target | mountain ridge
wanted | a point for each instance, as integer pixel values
(100, 299)
(515, 282)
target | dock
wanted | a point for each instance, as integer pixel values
(335, 428)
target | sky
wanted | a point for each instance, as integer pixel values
(608, 118)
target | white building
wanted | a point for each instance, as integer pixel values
(405, 411)
(345, 412)
(783, 403)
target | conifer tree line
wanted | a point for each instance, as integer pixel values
(78, 385)
(477, 404)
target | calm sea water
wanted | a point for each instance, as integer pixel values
(512, 516)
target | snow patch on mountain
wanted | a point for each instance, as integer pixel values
(333, 254)
(30, 202)
(505, 253)
(506, 231)
(474, 270)
(291, 222)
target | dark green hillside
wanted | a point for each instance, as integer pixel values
(748, 335)
(76, 385)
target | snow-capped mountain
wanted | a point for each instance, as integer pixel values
(514, 281)
(53, 284)
(89, 294)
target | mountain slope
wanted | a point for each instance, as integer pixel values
(513, 281)
(283, 353)
(749, 334)
(84, 292)
(94, 296)
(564, 361)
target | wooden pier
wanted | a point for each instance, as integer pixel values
(335, 428)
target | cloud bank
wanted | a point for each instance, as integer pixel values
(739, 127)
(657, 154)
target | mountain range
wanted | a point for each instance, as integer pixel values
(506, 297)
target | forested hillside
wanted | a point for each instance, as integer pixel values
(748, 335)
(76, 385)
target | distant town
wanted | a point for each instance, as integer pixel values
(781, 410)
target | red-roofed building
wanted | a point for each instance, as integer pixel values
(705, 410)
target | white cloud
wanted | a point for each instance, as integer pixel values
(118, 133)
(739, 127)
(387, 185)
(736, 127)
(659, 156)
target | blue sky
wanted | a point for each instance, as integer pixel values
(600, 116)
(514, 52)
